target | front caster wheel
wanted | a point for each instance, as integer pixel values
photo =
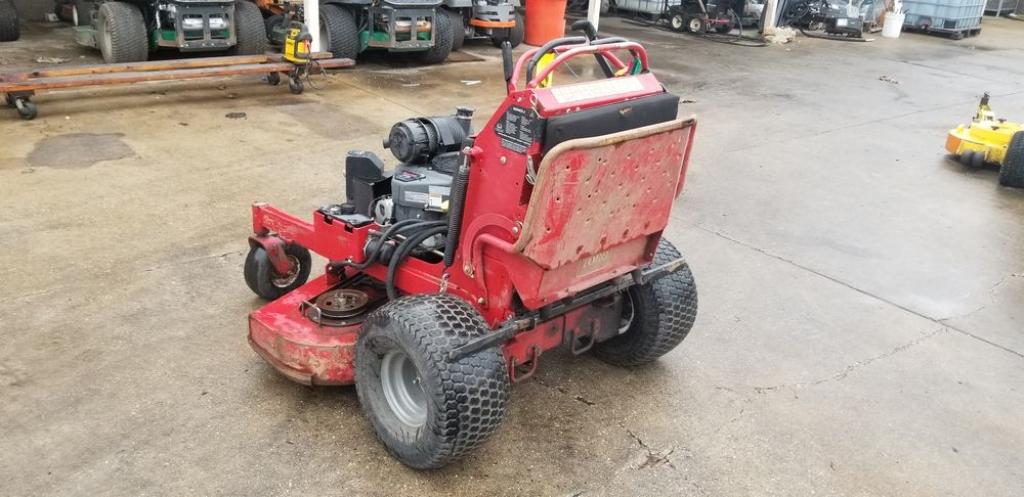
(26, 109)
(296, 86)
(266, 282)
(427, 409)
(656, 317)
(274, 78)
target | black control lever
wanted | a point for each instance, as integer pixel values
(588, 29)
(507, 63)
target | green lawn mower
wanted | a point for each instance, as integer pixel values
(430, 28)
(130, 30)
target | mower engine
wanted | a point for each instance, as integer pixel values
(428, 152)
(450, 275)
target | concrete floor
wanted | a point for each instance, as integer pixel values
(861, 328)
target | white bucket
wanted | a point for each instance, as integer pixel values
(893, 25)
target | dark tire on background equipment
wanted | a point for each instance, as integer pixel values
(58, 10)
(694, 25)
(460, 403)
(250, 30)
(83, 12)
(342, 32)
(966, 157)
(272, 22)
(121, 33)
(677, 22)
(10, 30)
(264, 281)
(663, 312)
(444, 36)
(977, 160)
(517, 32)
(459, 34)
(1012, 171)
(514, 35)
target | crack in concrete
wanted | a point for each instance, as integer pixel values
(991, 296)
(866, 293)
(841, 375)
(654, 457)
(578, 398)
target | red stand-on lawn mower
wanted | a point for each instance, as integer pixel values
(448, 278)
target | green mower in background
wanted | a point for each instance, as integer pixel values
(430, 28)
(130, 30)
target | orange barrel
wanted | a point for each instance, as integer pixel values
(545, 21)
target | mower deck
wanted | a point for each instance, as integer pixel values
(309, 334)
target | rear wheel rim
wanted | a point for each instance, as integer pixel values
(677, 22)
(696, 25)
(403, 389)
(106, 45)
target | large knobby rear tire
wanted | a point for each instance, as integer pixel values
(1011, 173)
(121, 33)
(250, 30)
(427, 409)
(657, 316)
(265, 281)
(339, 24)
(444, 37)
(458, 28)
(10, 30)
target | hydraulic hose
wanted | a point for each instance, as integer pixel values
(403, 250)
(392, 230)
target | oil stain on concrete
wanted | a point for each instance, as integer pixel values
(79, 150)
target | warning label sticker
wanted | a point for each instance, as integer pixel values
(595, 89)
(517, 128)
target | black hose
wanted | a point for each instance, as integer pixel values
(374, 255)
(457, 203)
(405, 247)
